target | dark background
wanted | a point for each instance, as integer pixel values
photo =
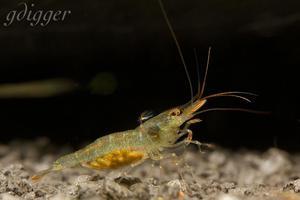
(255, 48)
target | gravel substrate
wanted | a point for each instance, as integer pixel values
(216, 174)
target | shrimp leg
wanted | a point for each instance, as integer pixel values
(189, 123)
(185, 131)
(184, 142)
(189, 139)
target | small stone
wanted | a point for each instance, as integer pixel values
(18, 186)
(83, 179)
(7, 196)
(225, 187)
(140, 190)
(39, 193)
(96, 177)
(29, 196)
(59, 196)
(73, 190)
(127, 180)
(294, 185)
(227, 197)
(174, 188)
(217, 158)
(274, 160)
(248, 192)
(113, 190)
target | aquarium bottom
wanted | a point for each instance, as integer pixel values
(218, 174)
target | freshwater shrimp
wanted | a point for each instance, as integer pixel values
(154, 134)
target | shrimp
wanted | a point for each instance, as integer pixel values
(148, 140)
(132, 147)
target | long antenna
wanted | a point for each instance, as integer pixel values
(232, 109)
(206, 70)
(178, 46)
(198, 72)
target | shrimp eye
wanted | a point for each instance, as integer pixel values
(175, 112)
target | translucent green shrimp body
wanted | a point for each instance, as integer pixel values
(131, 147)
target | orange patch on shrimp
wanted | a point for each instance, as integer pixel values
(116, 159)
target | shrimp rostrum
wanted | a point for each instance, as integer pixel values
(149, 139)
